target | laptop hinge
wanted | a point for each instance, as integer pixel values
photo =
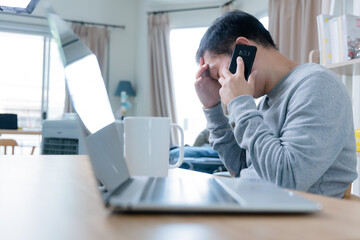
(106, 195)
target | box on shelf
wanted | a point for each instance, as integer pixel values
(357, 137)
(351, 37)
(344, 37)
(323, 23)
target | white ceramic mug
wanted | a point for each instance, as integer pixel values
(147, 145)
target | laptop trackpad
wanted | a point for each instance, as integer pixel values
(174, 191)
(260, 194)
(185, 191)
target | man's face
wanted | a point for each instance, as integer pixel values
(216, 64)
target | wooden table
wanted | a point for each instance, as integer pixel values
(21, 131)
(55, 197)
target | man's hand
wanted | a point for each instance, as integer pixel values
(207, 88)
(234, 85)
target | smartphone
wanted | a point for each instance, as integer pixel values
(248, 55)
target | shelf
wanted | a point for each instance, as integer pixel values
(347, 68)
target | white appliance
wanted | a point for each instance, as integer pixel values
(62, 137)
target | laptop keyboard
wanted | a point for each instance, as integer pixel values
(185, 191)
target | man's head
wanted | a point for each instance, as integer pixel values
(221, 36)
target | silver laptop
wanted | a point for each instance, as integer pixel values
(105, 144)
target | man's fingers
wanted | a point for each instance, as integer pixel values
(221, 80)
(226, 73)
(239, 69)
(240, 66)
(198, 79)
(202, 71)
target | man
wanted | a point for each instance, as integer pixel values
(301, 135)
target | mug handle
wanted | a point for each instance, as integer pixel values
(181, 155)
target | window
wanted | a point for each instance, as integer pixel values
(28, 87)
(183, 45)
(21, 79)
(56, 88)
(265, 21)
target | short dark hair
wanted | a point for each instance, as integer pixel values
(222, 34)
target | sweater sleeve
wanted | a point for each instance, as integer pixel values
(222, 140)
(309, 140)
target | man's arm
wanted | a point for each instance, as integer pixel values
(221, 134)
(310, 140)
(222, 140)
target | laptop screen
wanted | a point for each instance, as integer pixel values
(87, 90)
(83, 77)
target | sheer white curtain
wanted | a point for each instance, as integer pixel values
(293, 26)
(97, 40)
(161, 80)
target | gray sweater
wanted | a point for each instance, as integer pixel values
(301, 136)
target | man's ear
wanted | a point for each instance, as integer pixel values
(242, 40)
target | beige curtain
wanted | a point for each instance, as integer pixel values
(97, 40)
(162, 85)
(293, 26)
